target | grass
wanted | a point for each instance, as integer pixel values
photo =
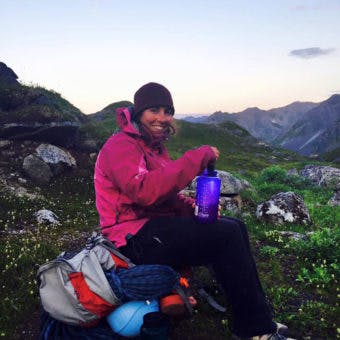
(300, 277)
(26, 104)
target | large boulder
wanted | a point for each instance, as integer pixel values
(47, 161)
(37, 169)
(230, 185)
(58, 159)
(322, 175)
(282, 208)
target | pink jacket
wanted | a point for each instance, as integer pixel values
(134, 182)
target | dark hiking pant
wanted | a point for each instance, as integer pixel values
(224, 245)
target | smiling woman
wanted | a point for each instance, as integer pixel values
(143, 212)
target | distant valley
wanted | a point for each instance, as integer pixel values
(304, 127)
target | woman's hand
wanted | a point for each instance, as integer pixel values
(218, 212)
(216, 151)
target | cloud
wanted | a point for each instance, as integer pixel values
(311, 52)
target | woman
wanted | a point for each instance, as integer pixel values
(137, 196)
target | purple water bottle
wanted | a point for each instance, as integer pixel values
(207, 195)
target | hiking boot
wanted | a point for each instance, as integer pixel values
(281, 328)
(278, 335)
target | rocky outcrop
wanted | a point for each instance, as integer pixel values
(36, 114)
(7, 76)
(284, 207)
(322, 175)
(59, 133)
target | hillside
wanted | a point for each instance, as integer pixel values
(33, 112)
(299, 276)
(239, 149)
(265, 125)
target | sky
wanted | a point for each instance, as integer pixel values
(213, 55)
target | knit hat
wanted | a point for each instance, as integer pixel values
(152, 95)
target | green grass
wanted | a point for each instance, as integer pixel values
(300, 277)
(25, 104)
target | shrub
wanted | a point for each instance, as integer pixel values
(273, 174)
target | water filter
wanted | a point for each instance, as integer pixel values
(207, 195)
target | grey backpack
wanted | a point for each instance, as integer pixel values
(74, 289)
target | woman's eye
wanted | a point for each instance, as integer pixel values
(169, 112)
(154, 109)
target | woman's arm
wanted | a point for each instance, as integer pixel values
(124, 164)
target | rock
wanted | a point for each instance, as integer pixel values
(22, 180)
(284, 207)
(45, 216)
(89, 145)
(9, 187)
(4, 143)
(37, 169)
(58, 133)
(293, 235)
(58, 159)
(335, 199)
(230, 185)
(232, 204)
(93, 156)
(292, 172)
(7, 76)
(322, 175)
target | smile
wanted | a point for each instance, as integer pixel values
(157, 127)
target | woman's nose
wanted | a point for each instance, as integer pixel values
(162, 116)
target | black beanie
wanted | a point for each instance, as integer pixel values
(152, 95)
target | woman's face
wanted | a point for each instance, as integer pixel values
(157, 119)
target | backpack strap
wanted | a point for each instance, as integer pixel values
(119, 258)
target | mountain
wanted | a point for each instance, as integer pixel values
(194, 119)
(262, 124)
(109, 110)
(317, 131)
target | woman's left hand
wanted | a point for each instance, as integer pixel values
(218, 212)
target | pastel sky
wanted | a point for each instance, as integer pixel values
(212, 54)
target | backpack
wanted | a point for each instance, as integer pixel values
(74, 288)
